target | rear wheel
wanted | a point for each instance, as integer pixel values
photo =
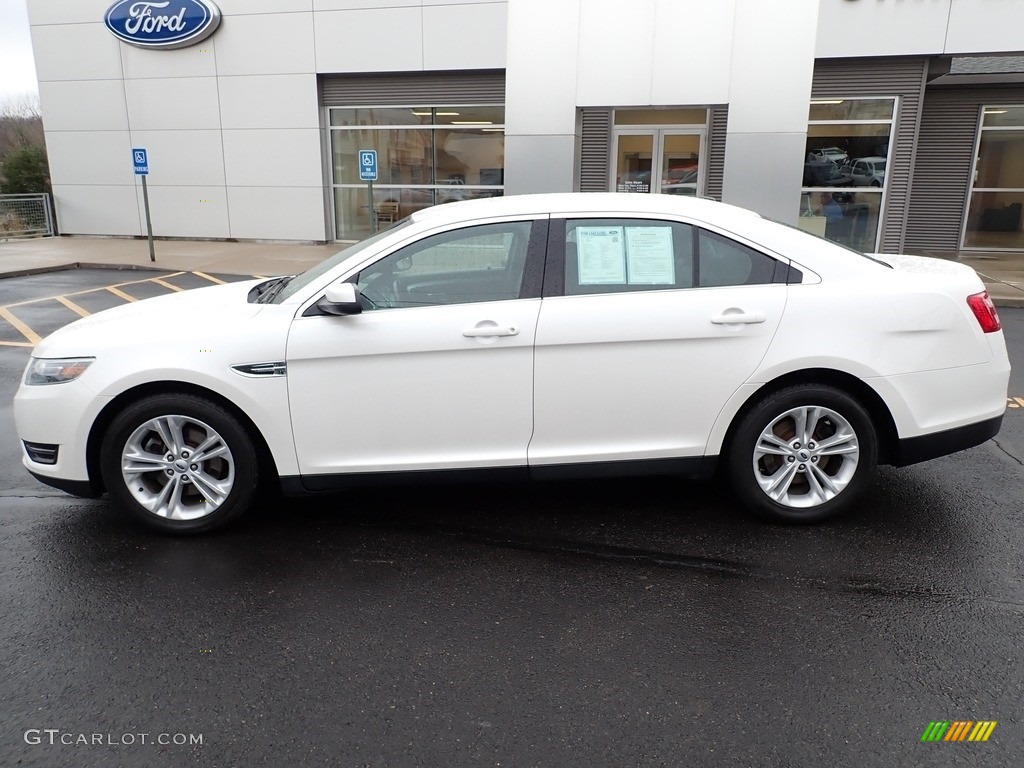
(179, 463)
(803, 454)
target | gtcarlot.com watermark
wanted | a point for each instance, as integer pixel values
(53, 736)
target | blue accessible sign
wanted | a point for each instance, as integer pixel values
(141, 160)
(367, 165)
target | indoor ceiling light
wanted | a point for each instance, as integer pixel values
(827, 101)
(472, 122)
(427, 114)
(995, 111)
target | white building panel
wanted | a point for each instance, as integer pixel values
(76, 52)
(66, 11)
(268, 44)
(984, 26)
(537, 103)
(690, 64)
(464, 36)
(772, 66)
(90, 157)
(90, 105)
(186, 103)
(186, 211)
(195, 61)
(615, 53)
(97, 209)
(248, 7)
(882, 27)
(273, 158)
(356, 5)
(541, 164)
(269, 101)
(277, 213)
(183, 158)
(380, 40)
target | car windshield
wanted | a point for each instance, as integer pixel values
(325, 266)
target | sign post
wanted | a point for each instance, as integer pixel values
(368, 173)
(141, 160)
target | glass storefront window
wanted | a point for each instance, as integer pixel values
(850, 109)
(845, 170)
(425, 156)
(994, 214)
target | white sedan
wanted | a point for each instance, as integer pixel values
(537, 336)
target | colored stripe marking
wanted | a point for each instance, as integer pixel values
(120, 294)
(23, 329)
(211, 278)
(165, 284)
(72, 306)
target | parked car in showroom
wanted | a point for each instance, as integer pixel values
(826, 173)
(535, 336)
(867, 171)
(835, 154)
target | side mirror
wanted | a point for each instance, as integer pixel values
(340, 299)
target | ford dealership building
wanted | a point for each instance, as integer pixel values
(883, 124)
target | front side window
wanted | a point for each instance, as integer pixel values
(484, 263)
(628, 255)
(844, 173)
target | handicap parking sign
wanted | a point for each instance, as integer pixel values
(141, 161)
(367, 165)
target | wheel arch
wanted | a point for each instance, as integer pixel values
(115, 406)
(888, 436)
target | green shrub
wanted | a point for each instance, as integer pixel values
(25, 171)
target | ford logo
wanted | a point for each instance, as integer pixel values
(162, 23)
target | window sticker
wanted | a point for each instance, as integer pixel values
(601, 255)
(650, 256)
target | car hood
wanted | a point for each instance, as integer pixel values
(184, 314)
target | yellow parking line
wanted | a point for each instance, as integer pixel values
(91, 290)
(23, 329)
(15, 344)
(211, 278)
(120, 294)
(165, 284)
(72, 306)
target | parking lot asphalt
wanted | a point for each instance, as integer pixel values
(625, 623)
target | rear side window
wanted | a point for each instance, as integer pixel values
(616, 255)
(725, 262)
(629, 255)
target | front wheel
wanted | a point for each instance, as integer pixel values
(179, 463)
(803, 454)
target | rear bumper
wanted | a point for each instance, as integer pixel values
(911, 450)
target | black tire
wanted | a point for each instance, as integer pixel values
(804, 504)
(240, 464)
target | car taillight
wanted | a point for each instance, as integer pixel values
(983, 308)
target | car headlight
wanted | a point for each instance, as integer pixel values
(60, 370)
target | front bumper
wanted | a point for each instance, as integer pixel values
(61, 415)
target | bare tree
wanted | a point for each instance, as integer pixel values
(21, 124)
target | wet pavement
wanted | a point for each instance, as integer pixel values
(625, 623)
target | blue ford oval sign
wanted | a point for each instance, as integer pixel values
(162, 23)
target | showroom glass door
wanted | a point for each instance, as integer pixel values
(659, 160)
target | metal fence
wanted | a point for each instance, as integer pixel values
(25, 216)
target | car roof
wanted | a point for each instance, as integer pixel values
(873, 159)
(602, 203)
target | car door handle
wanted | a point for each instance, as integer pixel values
(482, 331)
(738, 318)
